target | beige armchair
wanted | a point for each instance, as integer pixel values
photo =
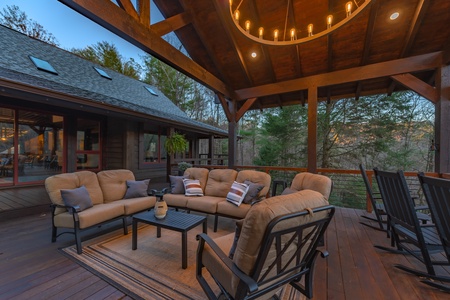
(276, 246)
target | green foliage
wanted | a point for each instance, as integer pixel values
(16, 19)
(175, 143)
(182, 166)
(107, 55)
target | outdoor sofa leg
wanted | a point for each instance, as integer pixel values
(216, 222)
(125, 226)
(78, 240)
(54, 233)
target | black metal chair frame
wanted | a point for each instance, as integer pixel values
(408, 235)
(377, 205)
(437, 195)
(289, 270)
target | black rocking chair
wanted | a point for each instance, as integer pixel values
(408, 235)
(437, 194)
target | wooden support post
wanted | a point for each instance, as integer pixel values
(312, 129)
(211, 150)
(442, 121)
(232, 135)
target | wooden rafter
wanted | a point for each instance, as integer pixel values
(115, 19)
(129, 8)
(225, 107)
(244, 108)
(171, 24)
(144, 12)
(399, 66)
(419, 14)
(417, 85)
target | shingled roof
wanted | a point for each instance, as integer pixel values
(78, 78)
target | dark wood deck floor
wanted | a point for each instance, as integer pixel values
(32, 267)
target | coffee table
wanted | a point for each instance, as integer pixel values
(174, 220)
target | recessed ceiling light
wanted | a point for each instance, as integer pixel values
(253, 54)
(394, 16)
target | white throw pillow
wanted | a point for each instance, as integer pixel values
(192, 187)
(237, 193)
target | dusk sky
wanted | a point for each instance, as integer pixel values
(71, 29)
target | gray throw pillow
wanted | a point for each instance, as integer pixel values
(176, 184)
(78, 198)
(252, 192)
(136, 189)
(288, 191)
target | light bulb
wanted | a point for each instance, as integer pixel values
(292, 34)
(329, 21)
(247, 25)
(261, 32)
(310, 30)
(348, 8)
(236, 15)
(275, 35)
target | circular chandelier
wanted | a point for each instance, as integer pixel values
(283, 34)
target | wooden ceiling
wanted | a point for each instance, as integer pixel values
(371, 54)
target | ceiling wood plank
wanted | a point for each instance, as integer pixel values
(244, 108)
(389, 68)
(171, 24)
(129, 8)
(417, 85)
(113, 18)
(144, 12)
(369, 32)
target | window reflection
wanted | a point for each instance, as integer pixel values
(153, 148)
(88, 144)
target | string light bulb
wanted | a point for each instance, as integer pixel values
(261, 32)
(275, 35)
(348, 8)
(310, 30)
(292, 34)
(236, 15)
(329, 21)
(247, 26)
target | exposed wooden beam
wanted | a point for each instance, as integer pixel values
(171, 24)
(115, 19)
(417, 85)
(225, 106)
(244, 108)
(399, 66)
(144, 12)
(442, 121)
(419, 14)
(369, 32)
(222, 9)
(129, 8)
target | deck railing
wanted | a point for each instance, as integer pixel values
(348, 186)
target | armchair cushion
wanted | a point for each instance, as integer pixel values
(78, 198)
(136, 189)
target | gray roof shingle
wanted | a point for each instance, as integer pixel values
(77, 77)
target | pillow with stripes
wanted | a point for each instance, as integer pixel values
(192, 187)
(237, 193)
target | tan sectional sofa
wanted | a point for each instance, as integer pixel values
(215, 185)
(106, 191)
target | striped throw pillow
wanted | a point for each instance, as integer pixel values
(237, 193)
(192, 187)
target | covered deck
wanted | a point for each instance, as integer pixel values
(35, 268)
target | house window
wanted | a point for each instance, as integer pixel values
(88, 145)
(153, 148)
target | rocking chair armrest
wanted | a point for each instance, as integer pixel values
(250, 282)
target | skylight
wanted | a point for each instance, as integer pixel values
(43, 65)
(102, 73)
(151, 91)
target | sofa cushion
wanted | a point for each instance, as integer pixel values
(259, 216)
(177, 200)
(311, 181)
(136, 189)
(252, 192)
(192, 187)
(287, 191)
(228, 209)
(237, 193)
(113, 183)
(200, 174)
(176, 184)
(205, 204)
(78, 198)
(135, 205)
(92, 216)
(256, 177)
(219, 182)
(54, 184)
